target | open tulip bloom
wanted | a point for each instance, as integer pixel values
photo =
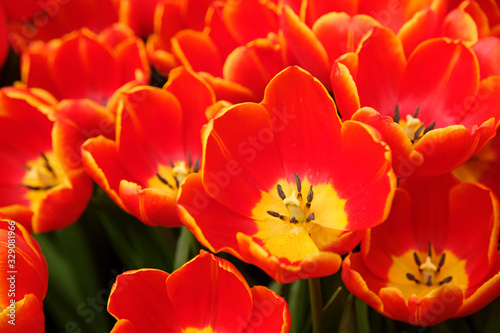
(285, 185)
(443, 263)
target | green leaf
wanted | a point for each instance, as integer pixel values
(362, 315)
(348, 322)
(298, 303)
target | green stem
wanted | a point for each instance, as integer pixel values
(316, 304)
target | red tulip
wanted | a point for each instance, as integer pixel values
(288, 189)
(207, 294)
(435, 257)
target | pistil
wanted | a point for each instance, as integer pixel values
(179, 172)
(294, 204)
(428, 269)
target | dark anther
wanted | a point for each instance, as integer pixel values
(163, 180)
(176, 182)
(441, 262)
(445, 280)
(411, 277)
(310, 217)
(38, 188)
(47, 164)
(415, 115)
(196, 167)
(310, 195)
(280, 192)
(418, 131)
(417, 259)
(189, 160)
(430, 127)
(297, 181)
(429, 251)
(293, 220)
(273, 213)
(397, 115)
(429, 282)
(171, 163)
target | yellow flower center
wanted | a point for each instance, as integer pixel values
(172, 175)
(414, 275)
(295, 204)
(413, 127)
(43, 173)
(296, 225)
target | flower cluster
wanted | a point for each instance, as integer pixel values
(305, 138)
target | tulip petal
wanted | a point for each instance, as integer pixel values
(141, 297)
(440, 79)
(290, 99)
(197, 209)
(269, 311)
(304, 45)
(221, 299)
(281, 269)
(194, 96)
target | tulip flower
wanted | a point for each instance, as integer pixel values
(82, 64)
(43, 183)
(157, 146)
(32, 20)
(288, 188)
(24, 280)
(435, 257)
(207, 294)
(432, 109)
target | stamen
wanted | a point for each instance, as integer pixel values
(429, 281)
(445, 280)
(189, 160)
(38, 188)
(441, 262)
(429, 250)
(297, 182)
(417, 260)
(397, 115)
(196, 167)
(430, 127)
(310, 217)
(276, 214)
(280, 192)
(417, 132)
(163, 180)
(47, 164)
(310, 195)
(411, 277)
(415, 115)
(293, 220)
(171, 163)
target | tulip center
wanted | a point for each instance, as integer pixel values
(173, 175)
(413, 127)
(298, 211)
(428, 270)
(41, 174)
